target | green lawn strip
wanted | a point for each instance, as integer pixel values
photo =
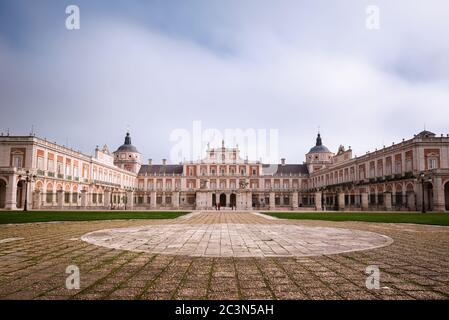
(47, 216)
(441, 219)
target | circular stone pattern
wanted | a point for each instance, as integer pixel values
(237, 240)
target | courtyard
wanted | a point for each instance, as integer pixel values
(223, 255)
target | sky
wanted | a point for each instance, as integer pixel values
(158, 67)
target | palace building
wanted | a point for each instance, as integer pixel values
(408, 176)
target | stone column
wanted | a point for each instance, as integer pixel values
(199, 203)
(37, 199)
(387, 201)
(30, 186)
(341, 201)
(107, 199)
(438, 195)
(209, 200)
(411, 201)
(272, 201)
(238, 199)
(153, 199)
(365, 204)
(11, 193)
(318, 197)
(129, 200)
(60, 198)
(54, 199)
(175, 200)
(249, 201)
(84, 199)
(295, 200)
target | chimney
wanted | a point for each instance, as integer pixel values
(150, 161)
(283, 161)
(164, 161)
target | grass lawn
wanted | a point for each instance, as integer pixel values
(441, 219)
(46, 216)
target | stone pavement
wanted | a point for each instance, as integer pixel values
(250, 257)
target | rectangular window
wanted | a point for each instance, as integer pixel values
(398, 168)
(59, 167)
(40, 163)
(51, 165)
(432, 163)
(17, 161)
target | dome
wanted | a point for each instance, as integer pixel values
(127, 146)
(319, 148)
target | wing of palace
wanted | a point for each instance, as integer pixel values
(404, 176)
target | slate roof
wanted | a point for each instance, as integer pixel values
(160, 169)
(425, 134)
(286, 169)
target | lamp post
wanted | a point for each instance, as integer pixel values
(423, 208)
(28, 178)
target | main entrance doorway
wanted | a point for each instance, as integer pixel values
(233, 200)
(222, 200)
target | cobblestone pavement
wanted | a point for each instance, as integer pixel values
(34, 258)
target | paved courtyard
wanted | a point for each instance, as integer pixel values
(223, 255)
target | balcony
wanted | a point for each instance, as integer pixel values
(60, 176)
(40, 172)
(51, 174)
(68, 178)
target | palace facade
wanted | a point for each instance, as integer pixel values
(408, 176)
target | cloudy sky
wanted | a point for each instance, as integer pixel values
(157, 66)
